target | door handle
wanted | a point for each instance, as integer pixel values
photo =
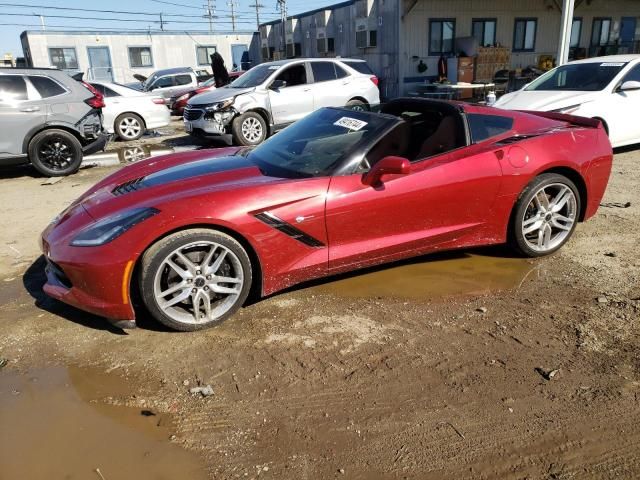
(306, 89)
(30, 109)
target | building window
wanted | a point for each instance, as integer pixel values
(576, 31)
(140, 57)
(63, 58)
(204, 53)
(600, 31)
(441, 35)
(484, 29)
(524, 34)
(331, 45)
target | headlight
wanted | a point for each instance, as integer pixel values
(569, 109)
(112, 227)
(220, 105)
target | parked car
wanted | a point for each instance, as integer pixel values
(606, 88)
(339, 190)
(170, 80)
(49, 119)
(179, 100)
(129, 113)
(273, 95)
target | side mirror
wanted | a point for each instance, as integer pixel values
(387, 166)
(277, 84)
(629, 85)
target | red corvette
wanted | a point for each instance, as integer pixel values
(194, 232)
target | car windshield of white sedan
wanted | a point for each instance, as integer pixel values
(583, 77)
(316, 145)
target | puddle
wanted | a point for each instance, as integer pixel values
(436, 276)
(130, 154)
(54, 426)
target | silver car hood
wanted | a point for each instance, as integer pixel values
(218, 95)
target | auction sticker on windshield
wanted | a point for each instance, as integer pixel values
(612, 64)
(351, 123)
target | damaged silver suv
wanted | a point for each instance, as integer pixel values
(49, 119)
(273, 95)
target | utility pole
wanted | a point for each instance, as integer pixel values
(42, 25)
(161, 22)
(257, 5)
(233, 4)
(210, 9)
(282, 6)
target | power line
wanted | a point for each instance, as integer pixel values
(109, 29)
(175, 4)
(257, 6)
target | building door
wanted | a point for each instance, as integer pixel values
(100, 64)
(627, 34)
(240, 57)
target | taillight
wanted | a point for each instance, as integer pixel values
(158, 101)
(97, 101)
(374, 79)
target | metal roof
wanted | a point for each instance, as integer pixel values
(335, 6)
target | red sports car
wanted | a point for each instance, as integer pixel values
(193, 233)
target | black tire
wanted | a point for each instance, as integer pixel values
(129, 126)
(526, 212)
(55, 153)
(357, 105)
(153, 268)
(249, 129)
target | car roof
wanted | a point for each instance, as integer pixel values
(609, 58)
(306, 59)
(168, 71)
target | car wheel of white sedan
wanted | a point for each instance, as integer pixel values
(195, 279)
(129, 126)
(546, 215)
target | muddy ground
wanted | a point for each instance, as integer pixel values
(430, 369)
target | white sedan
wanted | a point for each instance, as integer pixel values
(129, 113)
(606, 88)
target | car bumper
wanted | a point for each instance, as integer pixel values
(97, 145)
(217, 123)
(160, 117)
(72, 274)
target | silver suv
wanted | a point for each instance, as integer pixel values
(49, 119)
(273, 95)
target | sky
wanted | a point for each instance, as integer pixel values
(178, 15)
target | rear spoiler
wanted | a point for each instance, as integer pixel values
(572, 119)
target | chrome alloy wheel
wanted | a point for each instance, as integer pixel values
(251, 129)
(549, 217)
(198, 282)
(130, 127)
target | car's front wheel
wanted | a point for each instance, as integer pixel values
(55, 153)
(249, 129)
(546, 215)
(129, 126)
(195, 279)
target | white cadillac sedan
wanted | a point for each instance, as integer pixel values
(606, 88)
(129, 113)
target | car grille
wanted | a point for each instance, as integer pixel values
(128, 187)
(192, 113)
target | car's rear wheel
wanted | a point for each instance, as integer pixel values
(195, 279)
(546, 215)
(55, 153)
(129, 126)
(357, 105)
(249, 129)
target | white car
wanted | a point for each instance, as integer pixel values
(606, 88)
(129, 113)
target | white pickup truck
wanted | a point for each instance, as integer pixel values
(168, 81)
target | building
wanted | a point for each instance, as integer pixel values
(403, 39)
(118, 56)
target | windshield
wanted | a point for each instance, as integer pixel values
(149, 80)
(254, 77)
(316, 145)
(585, 77)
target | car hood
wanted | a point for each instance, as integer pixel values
(218, 95)
(157, 180)
(543, 100)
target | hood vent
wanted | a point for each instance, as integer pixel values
(128, 187)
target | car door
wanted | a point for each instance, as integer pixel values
(445, 198)
(328, 90)
(162, 84)
(21, 112)
(293, 101)
(623, 107)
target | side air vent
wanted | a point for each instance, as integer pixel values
(288, 229)
(128, 187)
(514, 139)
